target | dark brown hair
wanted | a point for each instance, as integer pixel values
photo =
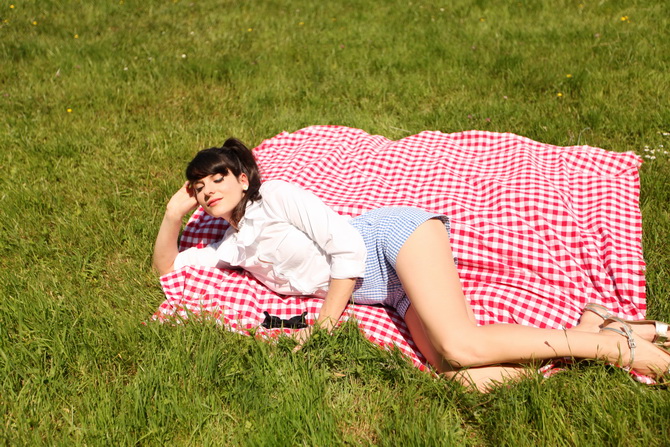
(234, 158)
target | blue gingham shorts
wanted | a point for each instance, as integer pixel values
(384, 231)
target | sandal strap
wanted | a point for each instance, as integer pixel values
(599, 310)
(625, 331)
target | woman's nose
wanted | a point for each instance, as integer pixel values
(207, 189)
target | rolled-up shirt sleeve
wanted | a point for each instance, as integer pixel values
(330, 231)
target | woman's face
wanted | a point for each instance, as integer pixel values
(219, 194)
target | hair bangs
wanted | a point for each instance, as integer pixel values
(206, 163)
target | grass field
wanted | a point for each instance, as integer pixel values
(102, 104)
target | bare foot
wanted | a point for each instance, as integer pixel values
(590, 321)
(644, 357)
(646, 331)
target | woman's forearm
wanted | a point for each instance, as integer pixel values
(339, 293)
(165, 249)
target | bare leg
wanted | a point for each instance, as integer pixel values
(426, 268)
(482, 378)
(589, 322)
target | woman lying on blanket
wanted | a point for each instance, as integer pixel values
(401, 257)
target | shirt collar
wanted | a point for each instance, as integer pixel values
(233, 247)
(246, 232)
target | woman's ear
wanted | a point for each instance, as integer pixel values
(243, 179)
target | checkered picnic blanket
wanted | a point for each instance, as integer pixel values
(538, 230)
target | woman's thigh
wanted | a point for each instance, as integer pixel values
(426, 268)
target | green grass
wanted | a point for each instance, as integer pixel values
(150, 82)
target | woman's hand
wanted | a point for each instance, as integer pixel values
(182, 202)
(336, 300)
(301, 336)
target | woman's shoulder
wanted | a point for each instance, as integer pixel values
(281, 195)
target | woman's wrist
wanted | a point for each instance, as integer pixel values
(336, 300)
(173, 215)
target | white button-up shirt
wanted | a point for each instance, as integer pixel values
(289, 240)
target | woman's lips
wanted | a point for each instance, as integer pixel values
(213, 202)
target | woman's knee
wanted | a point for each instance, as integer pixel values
(461, 351)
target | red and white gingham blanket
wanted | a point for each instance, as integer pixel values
(538, 230)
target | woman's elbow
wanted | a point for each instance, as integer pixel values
(163, 268)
